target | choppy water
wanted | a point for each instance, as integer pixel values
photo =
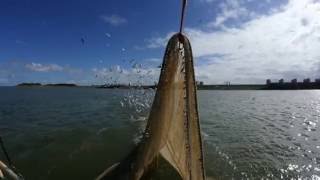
(75, 133)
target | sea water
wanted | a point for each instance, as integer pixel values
(76, 133)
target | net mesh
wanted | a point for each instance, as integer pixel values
(173, 129)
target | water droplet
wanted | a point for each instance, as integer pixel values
(108, 35)
(292, 167)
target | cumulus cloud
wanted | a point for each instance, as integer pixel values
(282, 44)
(37, 67)
(236, 11)
(114, 20)
(231, 9)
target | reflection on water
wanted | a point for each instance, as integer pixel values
(261, 134)
(61, 133)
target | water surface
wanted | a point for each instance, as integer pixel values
(63, 133)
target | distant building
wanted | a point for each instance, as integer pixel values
(199, 83)
(281, 81)
(306, 81)
(268, 82)
(294, 84)
(294, 81)
(228, 83)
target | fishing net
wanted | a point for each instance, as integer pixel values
(173, 129)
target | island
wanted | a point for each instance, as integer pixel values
(29, 84)
(44, 85)
(61, 85)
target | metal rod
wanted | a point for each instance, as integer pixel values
(184, 4)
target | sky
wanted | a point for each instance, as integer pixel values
(123, 41)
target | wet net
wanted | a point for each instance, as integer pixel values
(173, 129)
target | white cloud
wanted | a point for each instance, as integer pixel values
(37, 67)
(238, 11)
(157, 42)
(231, 9)
(157, 60)
(208, 1)
(282, 44)
(114, 20)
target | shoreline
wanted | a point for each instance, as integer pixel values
(199, 87)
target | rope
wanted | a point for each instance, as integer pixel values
(5, 152)
(13, 172)
(184, 4)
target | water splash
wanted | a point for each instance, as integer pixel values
(133, 76)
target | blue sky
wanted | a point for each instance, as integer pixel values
(94, 42)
